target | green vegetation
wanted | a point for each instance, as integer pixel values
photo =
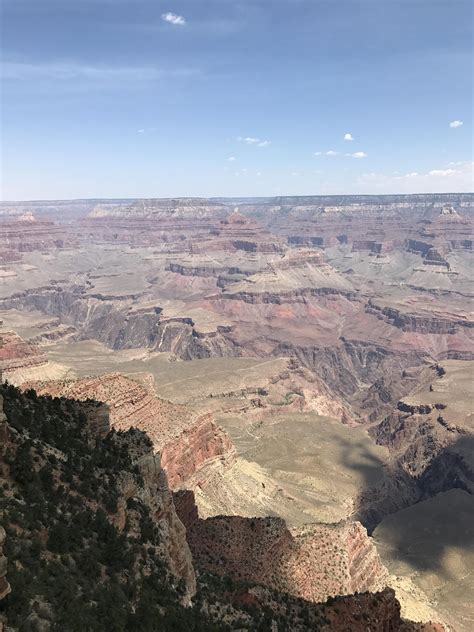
(67, 562)
(71, 569)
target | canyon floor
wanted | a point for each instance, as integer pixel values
(309, 359)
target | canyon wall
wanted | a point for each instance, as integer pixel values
(313, 562)
(186, 440)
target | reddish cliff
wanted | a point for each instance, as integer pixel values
(18, 354)
(313, 562)
(185, 439)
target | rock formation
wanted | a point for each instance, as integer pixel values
(16, 354)
(144, 481)
(187, 441)
(313, 562)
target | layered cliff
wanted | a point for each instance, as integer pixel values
(187, 441)
(94, 541)
(313, 562)
(424, 322)
(17, 354)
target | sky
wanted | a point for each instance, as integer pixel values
(139, 98)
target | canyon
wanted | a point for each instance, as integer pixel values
(302, 366)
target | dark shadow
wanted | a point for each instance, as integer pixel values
(419, 519)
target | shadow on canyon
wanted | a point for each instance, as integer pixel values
(432, 517)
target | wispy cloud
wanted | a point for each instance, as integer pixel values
(251, 140)
(456, 124)
(173, 18)
(333, 152)
(348, 136)
(231, 158)
(70, 71)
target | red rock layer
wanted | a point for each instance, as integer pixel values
(18, 354)
(313, 562)
(185, 439)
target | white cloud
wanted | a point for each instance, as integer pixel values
(441, 173)
(331, 152)
(231, 158)
(455, 124)
(251, 140)
(259, 173)
(141, 131)
(318, 153)
(348, 136)
(359, 154)
(172, 18)
(434, 181)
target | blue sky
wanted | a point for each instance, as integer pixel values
(127, 98)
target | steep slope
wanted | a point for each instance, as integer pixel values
(187, 441)
(94, 542)
(76, 499)
(313, 562)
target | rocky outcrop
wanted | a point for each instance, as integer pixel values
(194, 448)
(123, 481)
(371, 611)
(375, 247)
(351, 367)
(17, 354)
(205, 270)
(430, 440)
(278, 298)
(25, 233)
(157, 496)
(120, 325)
(313, 562)
(423, 323)
(186, 440)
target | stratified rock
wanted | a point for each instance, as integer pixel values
(17, 354)
(186, 440)
(313, 562)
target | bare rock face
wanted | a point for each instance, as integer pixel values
(419, 323)
(371, 611)
(17, 354)
(156, 494)
(185, 439)
(201, 444)
(25, 233)
(313, 562)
